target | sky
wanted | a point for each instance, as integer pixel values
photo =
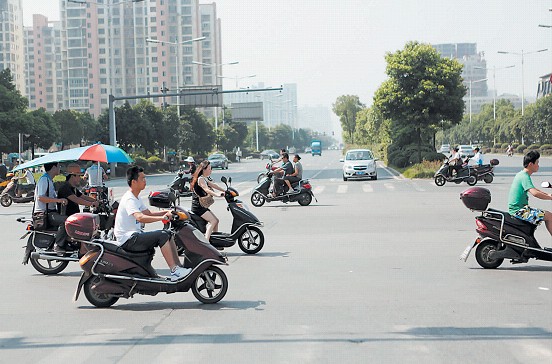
(331, 48)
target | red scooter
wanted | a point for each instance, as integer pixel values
(110, 272)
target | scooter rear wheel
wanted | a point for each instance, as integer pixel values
(211, 285)
(471, 181)
(488, 178)
(49, 267)
(99, 300)
(305, 199)
(257, 199)
(6, 200)
(251, 241)
(482, 255)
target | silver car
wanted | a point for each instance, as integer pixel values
(218, 161)
(359, 163)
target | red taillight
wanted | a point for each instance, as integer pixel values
(480, 225)
(154, 193)
(307, 186)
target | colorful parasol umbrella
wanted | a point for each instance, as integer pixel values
(96, 152)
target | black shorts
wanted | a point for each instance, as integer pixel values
(145, 241)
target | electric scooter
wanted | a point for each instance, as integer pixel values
(8, 195)
(302, 193)
(501, 236)
(465, 174)
(111, 273)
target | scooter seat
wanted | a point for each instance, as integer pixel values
(114, 248)
(527, 227)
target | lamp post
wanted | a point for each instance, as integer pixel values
(162, 42)
(216, 65)
(494, 84)
(522, 54)
(472, 82)
(238, 78)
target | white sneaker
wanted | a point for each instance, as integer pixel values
(179, 273)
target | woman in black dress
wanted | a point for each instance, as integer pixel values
(202, 186)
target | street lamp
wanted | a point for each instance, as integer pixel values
(494, 84)
(472, 82)
(238, 78)
(162, 42)
(522, 54)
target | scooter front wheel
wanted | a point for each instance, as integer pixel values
(251, 241)
(100, 300)
(49, 267)
(482, 255)
(211, 285)
(6, 200)
(260, 177)
(257, 199)
(440, 180)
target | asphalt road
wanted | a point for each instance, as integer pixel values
(369, 273)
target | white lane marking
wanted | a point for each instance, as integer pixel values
(389, 186)
(417, 188)
(342, 188)
(544, 289)
(318, 190)
(367, 188)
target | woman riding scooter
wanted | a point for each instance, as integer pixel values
(201, 187)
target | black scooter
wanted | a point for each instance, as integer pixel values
(485, 172)
(8, 195)
(501, 236)
(111, 273)
(464, 174)
(245, 226)
(179, 185)
(302, 192)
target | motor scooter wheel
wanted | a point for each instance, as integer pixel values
(482, 255)
(257, 199)
(100, 300)
(211, 285)
(471, 181)
(440, 180)
(305, 199)
(49, 267)
(6, 200)
(251, 241)
(488, 178)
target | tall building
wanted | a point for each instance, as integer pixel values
(101, 47)
(43, 65)
(545, 86)
(211, 53)
(12, 46)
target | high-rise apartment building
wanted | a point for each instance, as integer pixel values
(211, 53)
(101, 48)
(12, 46)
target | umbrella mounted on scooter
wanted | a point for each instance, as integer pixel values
(96, 153)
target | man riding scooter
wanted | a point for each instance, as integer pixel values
(284, 170)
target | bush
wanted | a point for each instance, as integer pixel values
(487, 150)
(520, 148)
(545, 146)
(433, 156)
(505, 145)
(533, 147)
(514, 145)
(425, 169)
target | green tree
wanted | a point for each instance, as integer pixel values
(70, 125)
(92, 130)
(196, 133)
(12, 113)
(42, 128)
(346, 107)
(422, 90)
(281, 136)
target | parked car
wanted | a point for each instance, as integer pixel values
(465, 150)
(269, 154)
(359, 163)
(218, 161)
(445, 149)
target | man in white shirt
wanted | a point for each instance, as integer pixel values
(132, 213)
(29, 186)
(95, 177)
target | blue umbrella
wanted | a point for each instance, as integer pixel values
(96, 152)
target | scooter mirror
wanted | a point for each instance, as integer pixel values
(546, 185)
(230, 180)
(223, 179)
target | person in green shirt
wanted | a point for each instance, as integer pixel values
(518, 199)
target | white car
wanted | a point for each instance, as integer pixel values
(359, 163)
(465, 151)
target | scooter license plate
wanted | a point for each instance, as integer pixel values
(466, 252)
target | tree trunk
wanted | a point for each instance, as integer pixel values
(419, 132)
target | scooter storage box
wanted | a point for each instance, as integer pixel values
(476, 198)
(82, 226)
(494, 162)
(160, 199)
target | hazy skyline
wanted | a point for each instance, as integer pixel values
(335, 47)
